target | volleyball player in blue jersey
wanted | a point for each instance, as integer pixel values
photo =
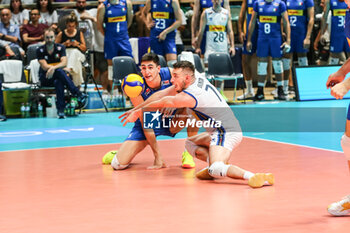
(113, 19)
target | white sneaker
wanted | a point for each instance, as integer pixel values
(246, 95)
(274, 93)
(340, 208)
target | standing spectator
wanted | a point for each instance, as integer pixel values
(48, 15)
(19, 14)
(165, 19)
(33, 32)
(100, 62)
(10, 32)
(117, 16)
(73, 39)
(85, 21)
(338, 42)
(269, 14)
(52, 59)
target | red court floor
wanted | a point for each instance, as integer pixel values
(69, 190)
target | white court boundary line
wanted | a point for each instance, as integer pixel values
(250, 137)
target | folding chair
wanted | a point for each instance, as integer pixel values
(31, 52)
(220, 68)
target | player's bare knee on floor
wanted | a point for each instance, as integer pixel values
(218, 169)
(116, 165)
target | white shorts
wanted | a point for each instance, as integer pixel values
(229, 140)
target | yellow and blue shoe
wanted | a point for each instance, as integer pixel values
(261, 179)
(340, 208)
(108, 157)
(187, 160)
(204, 174)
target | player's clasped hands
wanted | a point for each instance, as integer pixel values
(338, 88)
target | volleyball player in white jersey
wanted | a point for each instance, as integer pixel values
(216, 21)
(224, 132)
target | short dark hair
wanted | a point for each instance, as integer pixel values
(150, 57)
(186, 65)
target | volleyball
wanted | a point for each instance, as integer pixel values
(108, 157)
(133, 85)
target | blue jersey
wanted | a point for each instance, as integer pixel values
(269, 17)
(165, 77)
(347, 26)
(297, 14)
(250, 5)
(338, 9)
(163, 15)
(116, 20)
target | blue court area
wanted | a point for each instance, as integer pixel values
(317, 124)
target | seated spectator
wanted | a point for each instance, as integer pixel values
(33, 32)
(73, 39)
(10, 32)
(52, 59)
(48, 15)
(19, 14)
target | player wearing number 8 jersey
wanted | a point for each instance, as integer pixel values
(165, 19)
(269, 14)
(113, 19)
(215, 21)
(338, 44)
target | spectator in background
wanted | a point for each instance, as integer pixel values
(114, 17)
(19, 14)
(178, 40)
(48, 15)
(100, 62)
(10, 32)
(73, 39)
(85, 21)
(33, 32)
(2, 118)
(52, 59)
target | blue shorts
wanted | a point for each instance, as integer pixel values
(269, 47)
(297, 43)
(339, 44)
(137, 134)
(254, 44)
(120, 47)
(164, 47)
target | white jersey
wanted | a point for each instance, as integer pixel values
(216, 38)
(210, 105)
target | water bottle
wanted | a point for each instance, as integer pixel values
(23, 111)
(40, 110)
(72, 107)
(27, 110)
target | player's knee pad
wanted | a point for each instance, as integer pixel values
(333, 61)
(191, 147)
(302, 61)
(277, 66)
(218, 169)
(110, 72)
(345, 144)
(116, 165)
(286, 63)
(262, 68)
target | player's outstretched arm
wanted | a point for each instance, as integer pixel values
(338, 76)
(181, 100)
(340, 89)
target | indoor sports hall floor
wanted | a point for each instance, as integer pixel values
(52, 179)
